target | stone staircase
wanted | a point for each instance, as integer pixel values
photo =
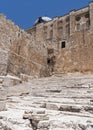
(54, 103)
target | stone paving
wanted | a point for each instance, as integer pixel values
(54, 103)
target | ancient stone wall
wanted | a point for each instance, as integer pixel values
(61, 45)
(77, 56)
(70, 39)
(27, 57)
(8, 33)
(19, 53)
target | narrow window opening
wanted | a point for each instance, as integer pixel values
(48, 61)
(63, 44)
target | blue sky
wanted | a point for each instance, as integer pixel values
(25, 12)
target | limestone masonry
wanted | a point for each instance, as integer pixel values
(52, 46)
(61, 48)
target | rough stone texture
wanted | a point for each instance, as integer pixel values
(75, 29)
(26, 57)
(8, 34)
(75, 102)
(19, 53)
(62, 45)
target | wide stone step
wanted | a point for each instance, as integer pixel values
(67, 102)
(64, 95)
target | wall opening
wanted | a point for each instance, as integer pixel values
(63, 44)
(48, 61)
